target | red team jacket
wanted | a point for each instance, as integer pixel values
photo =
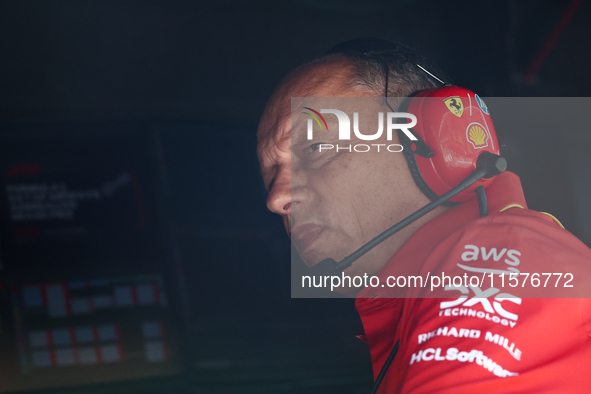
(490, 344)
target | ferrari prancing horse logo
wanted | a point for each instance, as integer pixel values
(455, 105)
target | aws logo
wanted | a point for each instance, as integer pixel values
(475, 253)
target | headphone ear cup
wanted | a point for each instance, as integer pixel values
(414, 168)
(456, 125)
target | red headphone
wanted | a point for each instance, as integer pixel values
(453, 127)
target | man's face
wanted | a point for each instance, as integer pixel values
(332, 203)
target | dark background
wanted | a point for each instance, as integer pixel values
(200, 73)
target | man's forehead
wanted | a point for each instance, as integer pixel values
(325, 79)
(274, 127)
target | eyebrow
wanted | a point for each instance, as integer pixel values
(269, 163)
(298, 139)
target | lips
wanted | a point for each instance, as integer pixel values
(305, 235)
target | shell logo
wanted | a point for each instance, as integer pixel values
(477, 135)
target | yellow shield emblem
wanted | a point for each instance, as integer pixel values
(455, 105)
(477, 135)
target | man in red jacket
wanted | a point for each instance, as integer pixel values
(477, 337)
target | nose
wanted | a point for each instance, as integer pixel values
(283, 196)
(279, 199)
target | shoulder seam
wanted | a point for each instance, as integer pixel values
(511, 206)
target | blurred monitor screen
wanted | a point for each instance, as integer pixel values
(87, 284)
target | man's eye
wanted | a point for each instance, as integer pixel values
(314, 147)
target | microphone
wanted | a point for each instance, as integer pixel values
(488, 165)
